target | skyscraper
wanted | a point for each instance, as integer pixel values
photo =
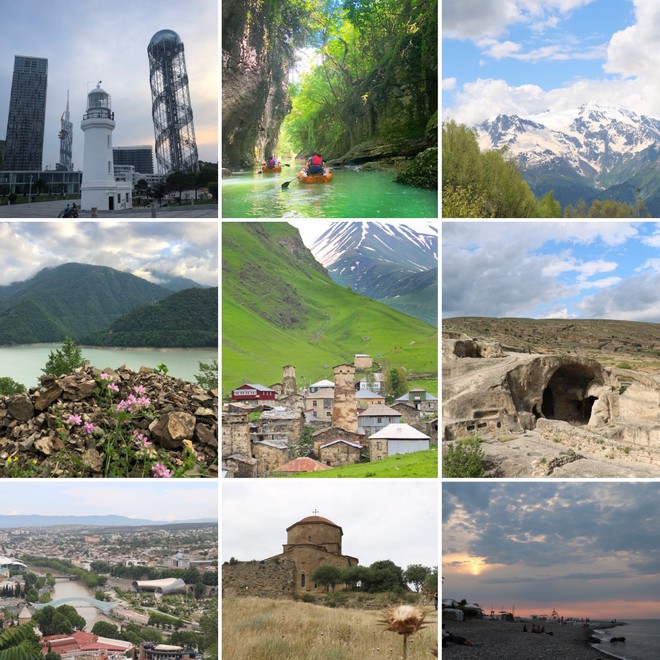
(27, 114)
(176, 149)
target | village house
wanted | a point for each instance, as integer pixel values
(302, 464)
(362, 361)
(421, 399)
(366, 398)
(409, 414)
(332, 433)
(315, 387)
(253, 392)
(396, 439)
(373, 382)
(375, 418)
(280, 424)
(319, 404)
(270, 455)
(339, 452)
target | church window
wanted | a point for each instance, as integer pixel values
(302, 580)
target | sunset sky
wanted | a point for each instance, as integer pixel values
(584, 549)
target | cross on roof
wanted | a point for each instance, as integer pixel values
(315, 511)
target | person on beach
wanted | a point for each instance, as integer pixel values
(455, 639)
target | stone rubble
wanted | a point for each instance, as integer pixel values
(179, 411)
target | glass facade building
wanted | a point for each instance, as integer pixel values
(27, 114)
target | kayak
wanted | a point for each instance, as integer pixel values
(314, 178)
(271, 170)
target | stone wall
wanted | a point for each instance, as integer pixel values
(270, 578)
(269, 458)
(332, 433)
(344, 411)
(339, 454)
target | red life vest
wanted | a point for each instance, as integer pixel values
(317, 160)
(271, 162)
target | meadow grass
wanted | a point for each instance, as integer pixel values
(418, 464)
(265, 629)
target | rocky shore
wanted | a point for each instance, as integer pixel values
(502, 639)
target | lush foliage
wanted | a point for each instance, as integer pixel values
(20, 643)
(208, 375)
(374, 75)
(479, 184)
(10, 386)
(62, 620)
(64, 360)
(608, 208)
(464, 459)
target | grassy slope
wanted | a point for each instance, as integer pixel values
(280, 309)
(419, 464)
(264, 629)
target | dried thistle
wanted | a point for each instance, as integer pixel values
(404, 620)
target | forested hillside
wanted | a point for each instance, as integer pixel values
(187, 319)
(70, 300)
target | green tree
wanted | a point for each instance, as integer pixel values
(385, 575)
(327, 576)
(416, 574)
(10, 386)
(208, 624)
(105, 629)
(464, 459)
(354, 577)
(396, 383)
(65, 359)
(20, 643)
(208, 375)
(431, 582)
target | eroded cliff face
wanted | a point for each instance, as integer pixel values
(255, 63)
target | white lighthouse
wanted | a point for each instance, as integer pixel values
(99, 188)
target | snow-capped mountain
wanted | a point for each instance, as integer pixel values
(596, 142)
(383, 261)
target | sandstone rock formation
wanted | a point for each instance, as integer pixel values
(34, 427)
(539, 413)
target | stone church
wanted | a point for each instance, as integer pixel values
(311, 542)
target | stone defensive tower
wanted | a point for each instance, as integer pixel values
(289, 380)
(344, 411)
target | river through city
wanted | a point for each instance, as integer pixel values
(350, 194)
(25, 363)
(76, 589)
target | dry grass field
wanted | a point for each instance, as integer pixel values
(263, 629)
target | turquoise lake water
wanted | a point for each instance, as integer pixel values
(350, 194)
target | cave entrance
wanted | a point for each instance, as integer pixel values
(564, 397)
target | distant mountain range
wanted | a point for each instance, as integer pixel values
(77, 300)
(14, 521)
(391, 263)
(280, 307)
(593, 152)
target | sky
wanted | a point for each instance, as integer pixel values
(183, 249)
(381, 519)
(154, 499)
(90, 40)
(585, 549)
(527, 56)
(589, 270)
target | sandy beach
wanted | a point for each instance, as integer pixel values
(502, 639)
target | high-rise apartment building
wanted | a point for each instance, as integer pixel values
(140, 157)
(27, 114)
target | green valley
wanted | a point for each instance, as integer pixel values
(280, 307)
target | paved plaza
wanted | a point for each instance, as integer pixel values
(53, 209)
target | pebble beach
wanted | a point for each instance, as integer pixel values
(503, 639)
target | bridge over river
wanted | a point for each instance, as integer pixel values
(103, 605)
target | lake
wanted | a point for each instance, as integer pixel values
(24, 363)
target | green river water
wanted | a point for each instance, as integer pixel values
(350, 194)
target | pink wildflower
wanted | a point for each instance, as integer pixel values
(131, 402)
(160, 471)
(139, 389)
(104, 376)
(88, 428)
(114, 387)
(74, 420)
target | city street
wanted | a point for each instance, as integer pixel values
(52, 210)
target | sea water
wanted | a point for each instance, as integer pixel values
(642, 640)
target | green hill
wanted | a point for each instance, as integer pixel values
(187, 319)
(280, 307)
(70, 300)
